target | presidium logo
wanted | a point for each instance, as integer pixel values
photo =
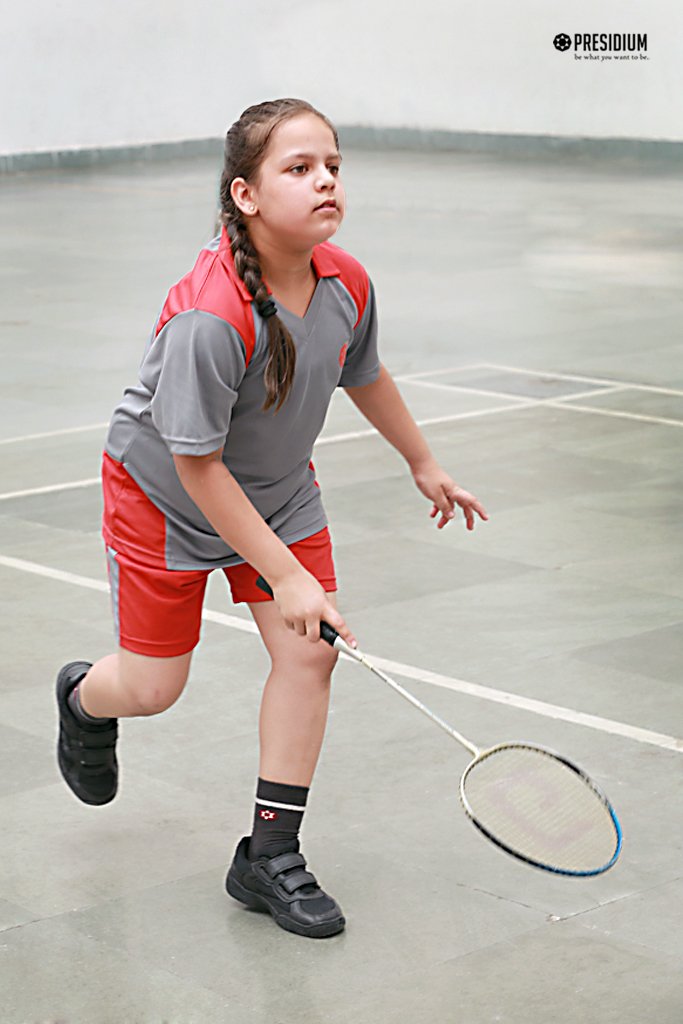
(604, 45)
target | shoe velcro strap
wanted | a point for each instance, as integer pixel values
(283, 862)
(97, 740)
(93, 758)
(298, 878)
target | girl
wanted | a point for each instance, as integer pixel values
(207, 465)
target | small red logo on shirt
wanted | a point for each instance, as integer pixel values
(342, 354)
(267, 815)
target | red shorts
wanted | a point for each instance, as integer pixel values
(157, 611)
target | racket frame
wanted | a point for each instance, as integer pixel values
(538, 748)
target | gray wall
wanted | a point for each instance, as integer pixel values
(96, 74)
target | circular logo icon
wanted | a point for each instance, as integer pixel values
(562, 41)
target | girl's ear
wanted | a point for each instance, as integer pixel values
(242, 197)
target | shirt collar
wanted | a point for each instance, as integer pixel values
(324, 264)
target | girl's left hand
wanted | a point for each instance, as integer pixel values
(438, 486)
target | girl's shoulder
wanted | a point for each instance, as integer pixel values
(213, 286)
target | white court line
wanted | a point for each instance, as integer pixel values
(544, 373)
(102, 426)
(593, 392)
(513, 398)
(460, 387)
(560, 401)
(54, 433)
(53, 574)
(50, 488)
(536, 707)
(410, 377)
(452, 418)
(89, 583)
(585, 380)
(614, 412)
(354, 435)
(448, 369)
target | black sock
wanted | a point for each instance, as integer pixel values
(277, 819)
(74, 702)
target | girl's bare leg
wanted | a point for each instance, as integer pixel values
(295, 699)
(292, 724)
(124, 685)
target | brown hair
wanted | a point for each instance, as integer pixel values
(245, 146)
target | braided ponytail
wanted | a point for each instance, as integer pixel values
(278, 375)
(245, 145)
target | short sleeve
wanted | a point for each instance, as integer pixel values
(362, 364)
(196, 364)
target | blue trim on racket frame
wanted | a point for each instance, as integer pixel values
(529, 860)
(548, 867)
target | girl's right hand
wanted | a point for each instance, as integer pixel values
(303, 603)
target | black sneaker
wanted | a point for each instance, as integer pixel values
(86, 753)
(282, 886)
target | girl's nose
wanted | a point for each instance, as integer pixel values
(325, 177)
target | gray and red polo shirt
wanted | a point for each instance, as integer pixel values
(201, 387)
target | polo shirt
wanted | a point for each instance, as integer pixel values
(201, 387)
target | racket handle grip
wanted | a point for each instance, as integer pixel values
(327, 632)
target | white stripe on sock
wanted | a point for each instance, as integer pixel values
(282, 807)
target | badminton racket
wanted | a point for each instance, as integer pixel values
(530, 801)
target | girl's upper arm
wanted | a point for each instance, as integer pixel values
(185, 464)
(362, 365)
(198, 365)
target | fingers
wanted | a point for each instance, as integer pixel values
(475, 506)
(445, 518)
(467, 502)
(444, 505)
(479, 509)
(310, 626)
(335, 620)
(312, 629)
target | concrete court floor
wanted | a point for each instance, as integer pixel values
(566, 273)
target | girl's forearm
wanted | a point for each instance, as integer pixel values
(217, 494)
(381, 404)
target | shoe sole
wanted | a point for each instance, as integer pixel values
(63, 688)
(258, 902)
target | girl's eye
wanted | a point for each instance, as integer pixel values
(301, 168)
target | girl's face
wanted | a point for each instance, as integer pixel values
(297, 199)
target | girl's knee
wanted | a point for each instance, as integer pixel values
(150, 701)
(314, 660)
(153, 685)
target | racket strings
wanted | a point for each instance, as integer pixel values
(540, 808)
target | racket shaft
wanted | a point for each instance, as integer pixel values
(332, 637)
(453, 733)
